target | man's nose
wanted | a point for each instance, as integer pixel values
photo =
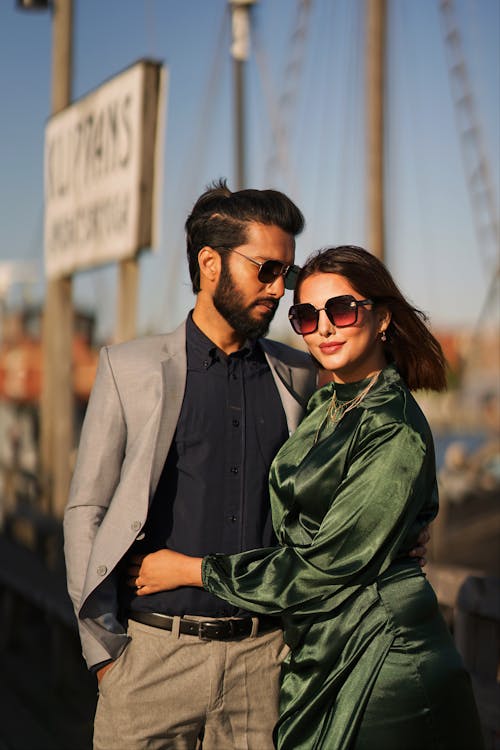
(277, 286)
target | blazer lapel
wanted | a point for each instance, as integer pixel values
(293, 403)
(174, 373)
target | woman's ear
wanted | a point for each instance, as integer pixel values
(210, 265)
(384, 315)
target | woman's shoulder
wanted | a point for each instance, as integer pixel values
(395, 405)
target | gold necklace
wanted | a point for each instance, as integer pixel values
(338, 409)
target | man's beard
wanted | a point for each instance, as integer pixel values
(227, 302)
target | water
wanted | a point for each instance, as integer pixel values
(471, 442)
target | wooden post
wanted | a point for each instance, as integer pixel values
(477, 635)
(56, 408)
(375, 45)
(128, 279)
(128, 269)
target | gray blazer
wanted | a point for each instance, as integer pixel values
(129, 425)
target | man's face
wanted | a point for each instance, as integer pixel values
(246, 303)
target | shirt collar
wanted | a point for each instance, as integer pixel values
(202, 348)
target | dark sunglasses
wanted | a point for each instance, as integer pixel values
(341, 312)
(270, 270)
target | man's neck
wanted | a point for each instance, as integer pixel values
(215, 327)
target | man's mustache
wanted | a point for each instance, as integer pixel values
(271, 302)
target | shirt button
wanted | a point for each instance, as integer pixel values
(234, 469)
(236, 422)
(233, 518)
(135, 526)
(102, 570)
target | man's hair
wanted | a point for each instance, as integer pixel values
(220, 218)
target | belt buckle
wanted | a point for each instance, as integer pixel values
(218, 630)
(204, 628)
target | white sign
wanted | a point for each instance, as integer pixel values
(100, 158)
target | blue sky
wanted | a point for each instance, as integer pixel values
(432, 248)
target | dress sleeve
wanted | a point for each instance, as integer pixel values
(390, 476)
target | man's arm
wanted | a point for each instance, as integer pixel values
(420, 551)
(95, 478)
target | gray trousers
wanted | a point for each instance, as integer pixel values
(177, 692)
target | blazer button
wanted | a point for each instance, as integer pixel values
(135, 526)
(102, 570)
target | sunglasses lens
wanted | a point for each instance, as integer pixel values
(342, 312)
(304, 318)
(270, 270)
(291, 277)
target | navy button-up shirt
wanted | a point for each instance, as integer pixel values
(213, 493)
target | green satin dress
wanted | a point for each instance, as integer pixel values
(372, 665)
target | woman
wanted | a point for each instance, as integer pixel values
(372, 664)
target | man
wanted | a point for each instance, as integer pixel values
(189, 423)
(178, 438)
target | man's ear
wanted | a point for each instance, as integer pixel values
(209, 261)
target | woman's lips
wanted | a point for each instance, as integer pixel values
(331, 347)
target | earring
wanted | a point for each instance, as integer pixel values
(383, 336)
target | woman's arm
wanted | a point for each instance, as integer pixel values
(390, 478)
(361, 534)
(165, 569)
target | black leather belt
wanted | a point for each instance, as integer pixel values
(217, 630)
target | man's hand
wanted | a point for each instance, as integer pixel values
(163, 571)
(421, 549)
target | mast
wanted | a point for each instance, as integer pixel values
(240, 49)
(375, 90)
(476, 165)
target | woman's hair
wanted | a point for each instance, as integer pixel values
(220, 218)
(410, 345)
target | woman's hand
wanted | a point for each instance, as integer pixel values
(162, 571)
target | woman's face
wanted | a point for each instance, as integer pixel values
(352, 353)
